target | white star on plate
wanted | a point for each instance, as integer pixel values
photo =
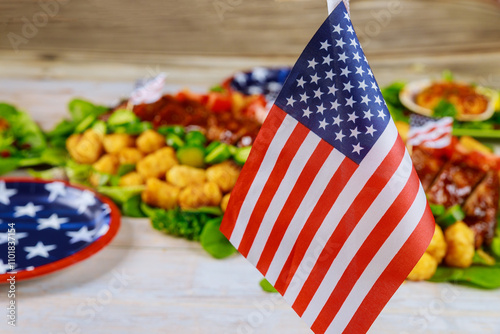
(39, 250)
(378, 100)
(303, 97)
(348, 86)
(340, 42)
(345, 71)
(368, 114)
(55, 189)
(102, 231)
(312, 63)
(290, 101)
(355, 133)
(240, 77)
(357, 148)
(352, 117)
(321, 109)
(323, 124)
(370, 130)
(4, 237)
(342, 57)
(365, 99)
(362, 85)
(314, 78)
(327, 60)
(335, 105)
(87, 199)
(6, 194)
(353, 42)
(301, 82)
(381, 114)
(356, 56)
(350, 101)
(349, 29)
(332, 89)
(52, 222)
(337, 28)
(337, 120)
(4, 267)
(28, 210)
(374, 86)
(325, 45)
(255, 90)
(329, 74)
(370, 71)
(307, 112)
(339, 135)
(81, 235)
(346, 16)
(318, 93)
(359, 70)
(274, 86)
(260, 74)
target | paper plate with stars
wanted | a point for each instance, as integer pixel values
(56, 225)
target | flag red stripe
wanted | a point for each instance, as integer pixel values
(252, 165)
(393, 276)
(430, 130)
(367, 251)
(293, 202)
(434, 139)
(273, 182)
(314, 221)
(347, 224)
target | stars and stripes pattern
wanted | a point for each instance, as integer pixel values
(52, 221)
(430, 132)
(328, 206)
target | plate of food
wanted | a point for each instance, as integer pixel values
(46, 226)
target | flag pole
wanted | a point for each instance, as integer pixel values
(334, 3)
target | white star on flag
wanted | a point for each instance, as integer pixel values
(6, 194)
(39, 250)
(82, 234)
(52, 222)
(28, 210)
(55, 189)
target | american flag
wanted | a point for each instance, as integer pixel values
(148, 91)
(430, 132)
(328, 206)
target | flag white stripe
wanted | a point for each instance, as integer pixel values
(443, 142)
(358, 236)
(326, 172)
(436, 134)
(282, 193)
(280, 138)
(358, 180)
(443, 122)
(379, 263)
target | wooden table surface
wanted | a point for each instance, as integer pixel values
(169, 285)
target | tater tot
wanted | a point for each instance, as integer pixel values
(131, 179)
(224, 202)
(425, 268)
(107, 164)
(156, 165)
(85, 148)
(114, 143)
(224, 175)
(130, 155)
(198, 195)
(460, 240)
(437, 247)
(160, 194)
(183, 176)
(150, 141)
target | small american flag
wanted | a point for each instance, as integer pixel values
(430, 132)
(148, 91)
(328, 206)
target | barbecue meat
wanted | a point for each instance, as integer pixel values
(427, 165)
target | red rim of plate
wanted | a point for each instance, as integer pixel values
(81, 255)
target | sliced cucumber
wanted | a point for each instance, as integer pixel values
(218, 154)
(191, 155)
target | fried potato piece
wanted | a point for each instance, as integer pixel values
(107, 164)
(224, 175)
(85, 148)
(150, 141)
(437, 247)
(183, 176)
(198, 195)
(460, 240)
(157, 164)
(130, 155)
(160, 194)
(131, 179)
(224, 202)
(114, 143)
(425, 268)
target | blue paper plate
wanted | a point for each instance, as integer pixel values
(56, 225)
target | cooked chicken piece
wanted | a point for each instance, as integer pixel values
(481, 209)
(225, 201)
(116, 142)
(131, 179)
(183, 176)
(437, 247)
(460, 240)
(198, 195)
(130, 155)
(150, 141)
(425, 268)
(224, 175)
(160, 194)
(85, 148)
(427, 165)
(157, 164)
